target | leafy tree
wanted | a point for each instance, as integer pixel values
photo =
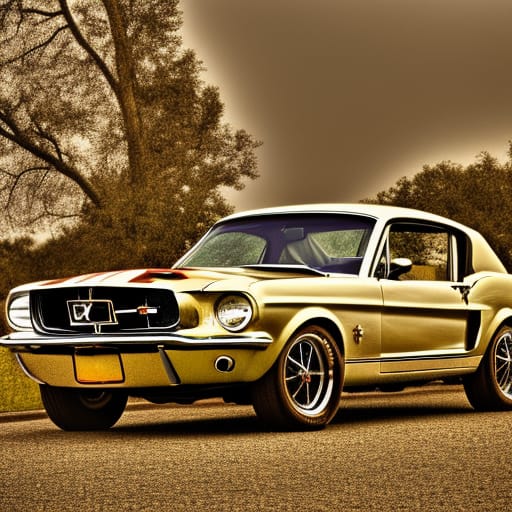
(16, 263)
(108, 136)
(478, 195)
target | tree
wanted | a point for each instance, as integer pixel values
(478, 195)
(107, 132)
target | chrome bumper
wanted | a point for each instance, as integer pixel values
(32, 340)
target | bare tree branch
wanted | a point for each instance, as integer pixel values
(40, 12)
(17, 178)
(44, 204)
(130, 141)
(44, 44)
(80, 39)
(9, 6)
(16, 135)
(48, 137)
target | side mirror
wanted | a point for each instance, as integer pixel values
(398, 267)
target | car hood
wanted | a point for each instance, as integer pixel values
(179, 280)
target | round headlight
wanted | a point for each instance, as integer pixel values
(234, 312)
(18, 312)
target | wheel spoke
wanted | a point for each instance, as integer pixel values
(298, 390)
(305, 375)
(308, 366)
(503, 374)
(507, 341)
(303, 388)
(296, 363)
(302, 356)
(504, 382)
(503, 364)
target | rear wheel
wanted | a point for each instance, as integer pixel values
(83, 409)
(490, 387)
(303, 388)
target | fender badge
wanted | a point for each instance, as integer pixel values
(358, 333)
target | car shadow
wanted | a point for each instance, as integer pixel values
(219, 419)
(437, 400)
(364, 408)
(227, 425)
(375, 414)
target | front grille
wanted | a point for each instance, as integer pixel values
(103, 309)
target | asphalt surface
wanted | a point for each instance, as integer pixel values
(422, 449)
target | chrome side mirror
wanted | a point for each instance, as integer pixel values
(398, 267)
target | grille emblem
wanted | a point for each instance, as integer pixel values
(147, 310)
(81, 312)
(91, 312)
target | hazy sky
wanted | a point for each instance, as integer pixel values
(350, 95)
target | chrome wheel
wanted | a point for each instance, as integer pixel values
(303, 388)
(308, 377)
(503, 363)
(490, 387)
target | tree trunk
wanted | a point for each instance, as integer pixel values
(126, 94)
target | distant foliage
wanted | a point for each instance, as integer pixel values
(110, 143)
(17, 392)
(109, 138)
(479, 195)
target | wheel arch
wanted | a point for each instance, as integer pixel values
(320, 317)
(281, 398)
(507, 321)
(501, 319)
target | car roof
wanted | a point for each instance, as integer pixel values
(377, 211)
(483, 256)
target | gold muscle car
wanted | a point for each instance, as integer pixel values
(281, 308)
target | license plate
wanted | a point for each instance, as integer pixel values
(98, 368)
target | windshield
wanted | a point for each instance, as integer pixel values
(327, 242)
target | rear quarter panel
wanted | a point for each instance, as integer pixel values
(491, 293)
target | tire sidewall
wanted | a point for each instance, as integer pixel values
(500, 397)
(332, 359)
(76, 409)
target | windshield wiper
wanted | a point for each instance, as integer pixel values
(299, 269)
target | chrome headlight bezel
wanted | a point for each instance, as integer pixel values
(234, 312)
(18, 311)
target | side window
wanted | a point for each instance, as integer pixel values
(341, 244)
(428, 247)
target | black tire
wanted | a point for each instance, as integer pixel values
(83, 409)
(490, 387)
(302, 390)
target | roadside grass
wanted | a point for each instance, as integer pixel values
(17, 391)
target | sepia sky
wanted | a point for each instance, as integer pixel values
(350, 95)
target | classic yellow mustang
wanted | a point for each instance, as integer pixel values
(280, 308)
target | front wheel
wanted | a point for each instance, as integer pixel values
(490, 387)
(303, 388)
(83, 409)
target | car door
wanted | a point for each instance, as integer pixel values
(425, 317)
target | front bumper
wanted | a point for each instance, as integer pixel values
(156, 360)
(27, 339)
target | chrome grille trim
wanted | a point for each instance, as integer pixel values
(134, 309)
